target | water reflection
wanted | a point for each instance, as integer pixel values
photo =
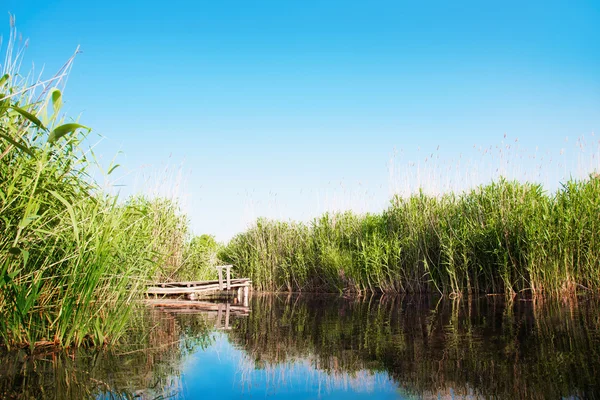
(147, 364)
(310, 347)
(430, 347)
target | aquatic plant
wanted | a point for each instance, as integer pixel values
(72, 258)
(503, 237)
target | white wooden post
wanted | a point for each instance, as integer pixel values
(246, 296)
(220, 269)
(228, 268)
(228, 277)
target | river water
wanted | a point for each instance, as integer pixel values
(311, 347)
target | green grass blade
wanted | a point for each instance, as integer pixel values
(63, 130)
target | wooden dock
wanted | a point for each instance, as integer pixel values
(194, 289)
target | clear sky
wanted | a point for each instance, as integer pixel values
(289, 108)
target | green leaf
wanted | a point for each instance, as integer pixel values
(18, 145)
(25, 255)
(13, 274)
(63, 130)
(4, 105)
(27, 115)
(26, 221)
(4, 79)
(99, 335)
(56, 100)
(70, 211)
(111, 169)
(5, 278)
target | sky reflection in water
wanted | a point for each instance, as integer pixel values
(226, 372)
(312, 347)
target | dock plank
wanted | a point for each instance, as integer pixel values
(194, 283)
(190, 290)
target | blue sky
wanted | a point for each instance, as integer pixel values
(286, 109)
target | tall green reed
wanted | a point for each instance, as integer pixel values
(503, 237)
(72, 258)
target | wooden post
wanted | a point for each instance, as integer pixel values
(228, 277)
(220, 269)
(228, 268)
(246, 296)
(239, 294)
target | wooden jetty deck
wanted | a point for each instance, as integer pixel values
(196, 288)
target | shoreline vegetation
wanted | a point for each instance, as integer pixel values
(505, 237)
(74, 259)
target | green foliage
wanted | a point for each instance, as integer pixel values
(199, 259)
(504, 237)
(72, 259)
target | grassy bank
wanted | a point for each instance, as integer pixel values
(504, 237)
(72, 258)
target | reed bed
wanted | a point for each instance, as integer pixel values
(503, 237)
(72, 258)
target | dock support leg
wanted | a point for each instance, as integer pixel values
(245, 296)
(220, 278)
(228, 270)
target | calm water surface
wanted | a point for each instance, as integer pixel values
(310, 347)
